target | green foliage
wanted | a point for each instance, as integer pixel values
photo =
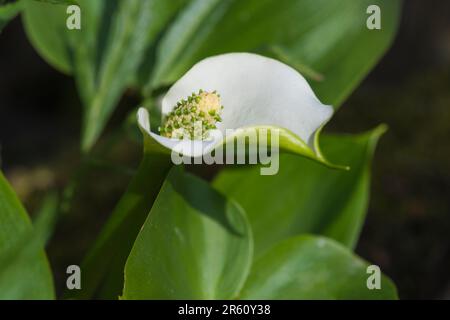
(45, 25)
(69, 2)
(117, 44)
(24, 269)
(195, 244)
(104, 263)
(329, 37)
(305, 197)
(105, 54)
(8, 12)
(307, 267)
(45, 218)
(121, 57)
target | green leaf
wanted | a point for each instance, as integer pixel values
(288, 142)
(324, 39)
(133, 30)
(46, 217)
(307, 267)
(105, 54)
(305, 197)
(45, 26)
(25, 272)
(8, 12)
(195, 244)
(180, 36)
(103, 265)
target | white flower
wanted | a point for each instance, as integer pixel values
(256, 92)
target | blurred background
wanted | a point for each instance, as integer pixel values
(407, 228)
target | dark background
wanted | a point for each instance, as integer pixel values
(407, 231)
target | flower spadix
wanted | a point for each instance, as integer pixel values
(243, 91)
(194, 117)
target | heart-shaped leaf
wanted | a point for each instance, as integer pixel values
(195, 244)
(307, 267)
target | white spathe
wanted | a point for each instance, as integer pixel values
(254, 90)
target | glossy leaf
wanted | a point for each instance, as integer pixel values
(325, 39)
(195, 244)
(24, 269)
(305, 197)
(307, 267)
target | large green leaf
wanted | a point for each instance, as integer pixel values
(24, 269)
(307, 267)
(305, 197)
(329, 37)
(105, 54)
(195, 244)
(103, 265)
(135, 27)
(8, 12)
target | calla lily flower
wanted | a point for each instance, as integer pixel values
(257, 93)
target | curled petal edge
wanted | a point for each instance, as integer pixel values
(288, 141)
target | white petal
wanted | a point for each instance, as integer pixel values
(254, 90)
